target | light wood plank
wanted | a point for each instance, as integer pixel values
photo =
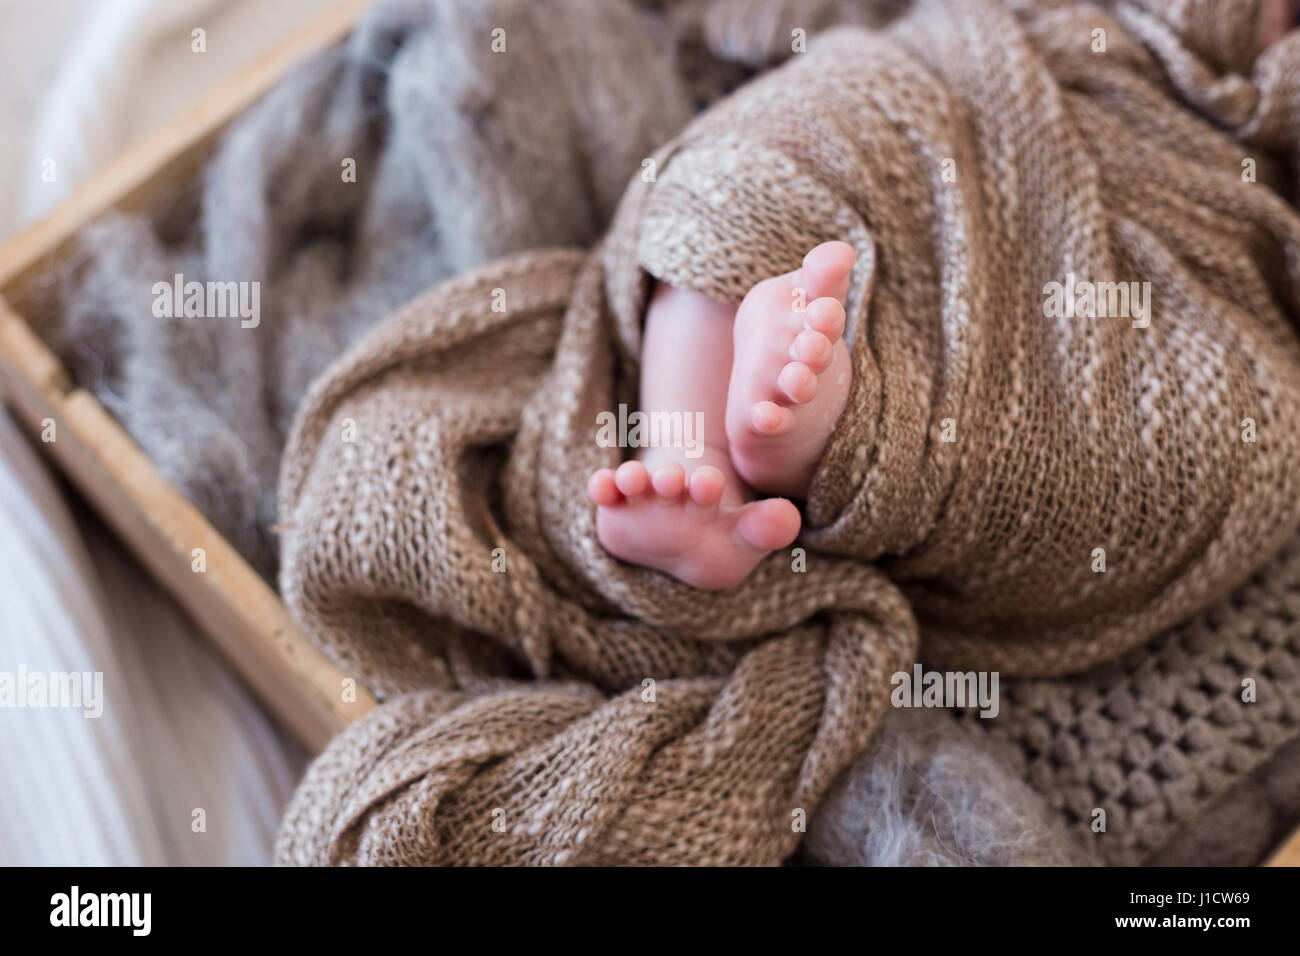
(1288, 854)
(229, 600)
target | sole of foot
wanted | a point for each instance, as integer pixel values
(790, 373)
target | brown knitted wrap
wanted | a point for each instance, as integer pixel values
(1155, 737)
(474, 432)
(517, 725)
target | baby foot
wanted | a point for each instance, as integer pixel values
(790, 373)
(701, 531)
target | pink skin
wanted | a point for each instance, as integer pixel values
(1277, 18)
(781, 375)
(771, 380)
(790, 375)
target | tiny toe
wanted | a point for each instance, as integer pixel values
(669, 480)
(813, 349)
(706, 485)
(798, 382)
(768, 524)
(769, 418)
(826, 316)
(632, 478)
(826, 269)
(602, 490)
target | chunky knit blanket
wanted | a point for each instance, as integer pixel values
(1041, 489)
(1159, 739)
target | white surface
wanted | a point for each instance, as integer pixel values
(79, 81)
(86, 78)
(178, 732)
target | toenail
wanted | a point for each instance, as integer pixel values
(813, 343)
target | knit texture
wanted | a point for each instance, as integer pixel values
(461, 154)
(1153, 737)
(1187, 772)
(1160, 739)
(930, 791)
(563, 707)
(473, 433)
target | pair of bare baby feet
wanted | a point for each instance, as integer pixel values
(769, 380)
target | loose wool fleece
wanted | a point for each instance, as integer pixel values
(460, 155)
(930, 792)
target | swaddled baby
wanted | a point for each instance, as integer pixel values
(768, 381)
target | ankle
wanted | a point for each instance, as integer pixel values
(757, 468)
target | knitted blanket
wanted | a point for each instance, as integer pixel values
(1159, 739)
(406, 155)
(1043, 472)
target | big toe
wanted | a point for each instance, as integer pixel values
(768, 524)
(826, 270)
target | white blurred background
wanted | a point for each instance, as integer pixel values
(80, 81)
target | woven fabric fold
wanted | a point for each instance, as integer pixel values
(1042, 489)
(447, 455)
